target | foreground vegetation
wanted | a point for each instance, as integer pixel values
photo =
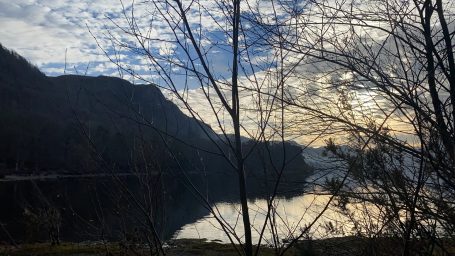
(179, 247)
(331, 246)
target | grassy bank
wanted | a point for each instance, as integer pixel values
(182, 247)
(188, 247)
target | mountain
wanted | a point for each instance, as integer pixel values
(80, 124)
(58, 123)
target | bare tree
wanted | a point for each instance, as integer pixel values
(378, 75)
(384, 73)
(232, 97)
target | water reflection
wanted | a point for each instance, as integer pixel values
(95, 208)
(292, 216)
(103, 207)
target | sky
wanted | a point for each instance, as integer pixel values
(52, 33)
(43, 31)
(72, 37)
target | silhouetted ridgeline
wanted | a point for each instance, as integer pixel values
(84, 124)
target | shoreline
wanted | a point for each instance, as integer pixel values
(48, 176)
(348, 245)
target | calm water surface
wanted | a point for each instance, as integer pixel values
(291, 217)
(92, 206)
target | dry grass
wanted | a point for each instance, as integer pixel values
(188, 247)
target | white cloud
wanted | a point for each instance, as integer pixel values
(44, 31)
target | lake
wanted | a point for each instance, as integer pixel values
(292, 216)
(103, 207)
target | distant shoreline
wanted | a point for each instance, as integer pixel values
(25, 177)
